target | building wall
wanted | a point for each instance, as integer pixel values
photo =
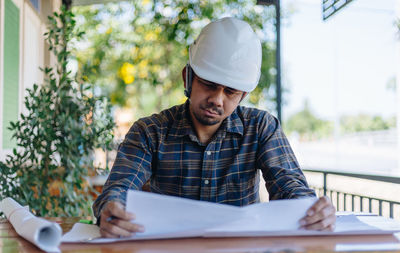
(22, 51)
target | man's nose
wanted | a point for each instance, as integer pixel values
(217, 97)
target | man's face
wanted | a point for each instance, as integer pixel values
(211, 103)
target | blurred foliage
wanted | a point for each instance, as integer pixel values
(136, 50)
(307, 125)
(64, 122)
(310, 127)
(364, 122)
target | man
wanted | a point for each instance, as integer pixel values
(210, 148)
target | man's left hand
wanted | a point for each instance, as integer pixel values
(321, 216)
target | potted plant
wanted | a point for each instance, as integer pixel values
(65, 121)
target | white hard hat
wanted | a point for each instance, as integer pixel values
(227, 52)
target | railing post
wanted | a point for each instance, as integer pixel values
(337, 200)
(388, 209)
(370, 205)
(391, 209)
(361, 204)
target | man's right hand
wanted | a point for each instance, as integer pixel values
(116, 222)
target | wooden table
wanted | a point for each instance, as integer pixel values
(11, 242)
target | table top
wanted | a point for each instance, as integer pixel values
(11, 242)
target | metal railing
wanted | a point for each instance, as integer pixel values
(346, 201)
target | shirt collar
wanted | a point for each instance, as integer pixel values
(182, 124)
(234, 124)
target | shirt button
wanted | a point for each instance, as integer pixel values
(206, 181)
(208, 152)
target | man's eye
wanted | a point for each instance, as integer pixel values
(209, 85)
(230, 92)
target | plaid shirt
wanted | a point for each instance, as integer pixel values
(164, 150)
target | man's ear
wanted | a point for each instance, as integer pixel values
(184, 76)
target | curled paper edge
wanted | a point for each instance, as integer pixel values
(44, 234)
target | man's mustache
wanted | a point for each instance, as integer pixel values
(213, 108)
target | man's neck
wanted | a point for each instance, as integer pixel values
(204, 132)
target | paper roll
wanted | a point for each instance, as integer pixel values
(44, 234)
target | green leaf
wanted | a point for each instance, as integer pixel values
(52, 134)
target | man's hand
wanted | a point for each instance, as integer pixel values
(116, 222)
(321, 216)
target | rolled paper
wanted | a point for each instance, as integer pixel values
(44, 234)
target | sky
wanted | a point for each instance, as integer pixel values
(341, 66)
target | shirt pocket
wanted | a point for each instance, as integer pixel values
(241, 191)
(233, 185)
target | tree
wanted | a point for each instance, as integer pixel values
(307, 125)
(364, 122)
(135, 51)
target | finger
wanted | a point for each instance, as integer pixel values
(326, 224)
(320, 204)
(330, 228)
(115, 230)
(117, 209)
(105, 216)
(128, 226)
(318, 216)
(106, 234)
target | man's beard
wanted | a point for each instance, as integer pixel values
(204, 119)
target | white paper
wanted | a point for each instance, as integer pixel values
(44, 234)
(161, 214)
(381, 223)
(279, 215)
(81, 232)
(172, 217)
(376, 247)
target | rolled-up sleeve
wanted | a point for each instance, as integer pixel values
(281, 171)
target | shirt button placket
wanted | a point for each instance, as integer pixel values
(205, 195)
(206, 182)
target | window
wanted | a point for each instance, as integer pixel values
(10, 70)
